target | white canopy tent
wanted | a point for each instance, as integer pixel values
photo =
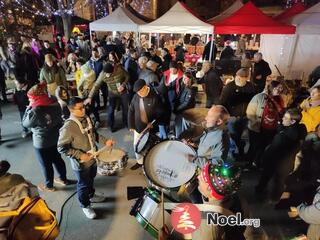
(296, 56)
(177, 20)
(120, 20)
(228, 12)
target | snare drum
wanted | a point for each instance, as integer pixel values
(167, 167)
(110, 162)
(148, 212)
(145, 142)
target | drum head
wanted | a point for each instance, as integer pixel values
(114, 155)
(166, 165)
(142, 142)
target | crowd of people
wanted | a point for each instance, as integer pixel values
(153, 90)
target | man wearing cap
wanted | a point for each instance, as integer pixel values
(212, 84)
(145, 107)
(117, 79)
(236, 96)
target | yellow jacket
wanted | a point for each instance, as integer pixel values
(77, 76)
(310, 116)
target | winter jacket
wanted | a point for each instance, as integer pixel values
(206, 52)
(261, 68)
(166, 62)
(153, 107)
(55, 76)
(119, 76)
(180, 53)
(131, 66)
(311, 215)
(310, 116)
(213, 85)
(285, 143)
(214, 145)
(72, 143)
(45, 122)
(186, 99)
(86, 81)
(255, 110)
(96, 65)
(227, 53)
(236, 98)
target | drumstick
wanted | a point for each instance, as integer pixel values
(99, 151)
(147, 126)
(111, 146)
(162, 209)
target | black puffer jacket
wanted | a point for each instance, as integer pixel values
(236, 99)
(285, 144)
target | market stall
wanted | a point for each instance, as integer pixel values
(297, 55)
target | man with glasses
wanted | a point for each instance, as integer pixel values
(77, 141)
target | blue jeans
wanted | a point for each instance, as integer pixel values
(163, 132)
(124, 98)
(85, 189)
(48, 157)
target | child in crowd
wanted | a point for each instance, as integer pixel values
(21, 100)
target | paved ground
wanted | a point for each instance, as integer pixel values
(114, 221)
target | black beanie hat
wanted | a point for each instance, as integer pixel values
(108, 68)
(138, 85)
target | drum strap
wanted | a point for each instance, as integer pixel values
(88, 130)
(203, 208)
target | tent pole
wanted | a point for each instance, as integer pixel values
(158, 36)
(211, 46)
(90, 37)
(149, 40)
(293, 53)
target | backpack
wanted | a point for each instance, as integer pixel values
(270, 115)
(32, 220)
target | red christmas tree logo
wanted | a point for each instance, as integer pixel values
(186, 218)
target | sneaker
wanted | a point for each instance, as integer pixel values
(89, 212)
(97, 198)
(65, 182)
(43, 188)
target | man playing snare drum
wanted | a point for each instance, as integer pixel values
(77, 140)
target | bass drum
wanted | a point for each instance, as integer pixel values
(167, 167)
